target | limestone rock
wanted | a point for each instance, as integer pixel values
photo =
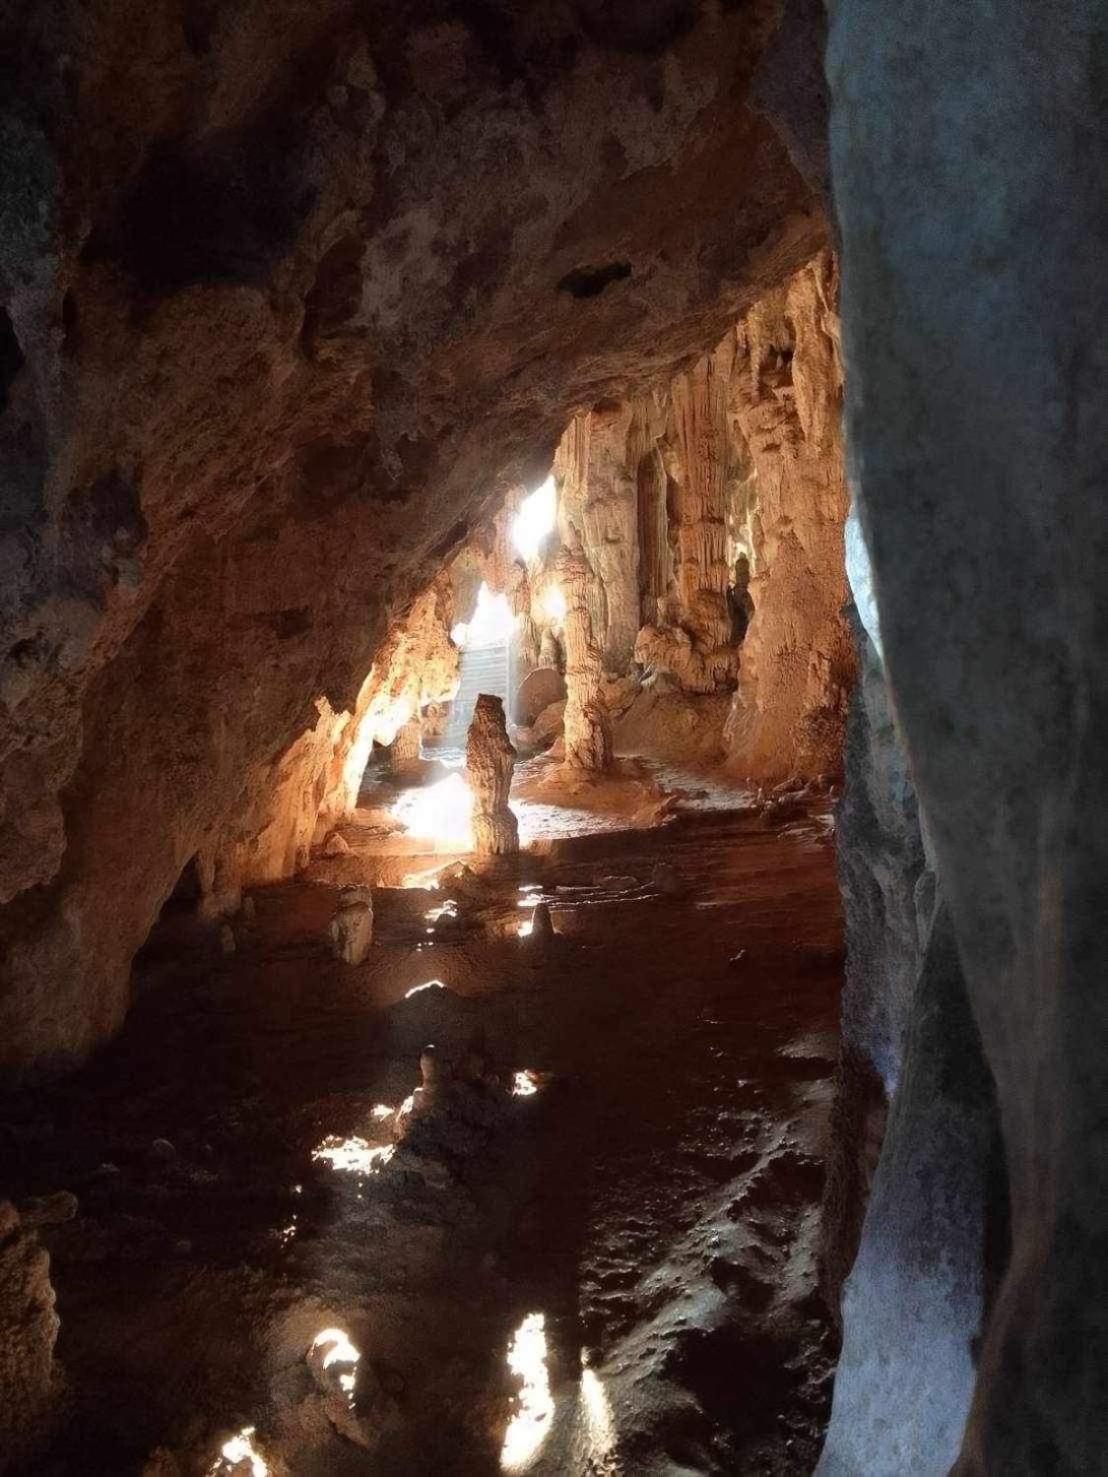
(336, 845)
(352, 925)
(539, 690)
(587, 727)
(542, 926)
(28, 1330)
(797, 662)
(490, 759)
(404, 751)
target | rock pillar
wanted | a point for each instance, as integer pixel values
(588, 729)
(404, 755)
(490, 758)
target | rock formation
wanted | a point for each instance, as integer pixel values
(404, 751)
(351, 928)
(28, 1330)
(797, 665)
(587, 726)
(598, 511)
(490, 759)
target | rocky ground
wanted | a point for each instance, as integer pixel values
(585, 1247)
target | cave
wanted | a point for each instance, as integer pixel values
(552, 805)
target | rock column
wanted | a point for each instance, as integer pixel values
(490, 759)
(588, 729)
(404, 755)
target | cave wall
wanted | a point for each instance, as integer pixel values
(972, 251)
(264, 270)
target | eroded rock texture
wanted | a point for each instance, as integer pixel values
(278, 319)
(404, 751)
(587, 724)
(797, 664)
(975, 360)
(28, 1330)
(490, 759)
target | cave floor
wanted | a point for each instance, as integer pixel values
(654, 1200)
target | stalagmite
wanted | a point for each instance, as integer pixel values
(352, 925)
(588, 729)
(490, 758)
(542, 926)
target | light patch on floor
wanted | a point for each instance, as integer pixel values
(600, 1427)
(339, 1351)
(353, 1155)
(234, 1452)
(428, 985)
(529, 1427)
(441, 812)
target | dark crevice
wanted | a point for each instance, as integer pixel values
(590, 281)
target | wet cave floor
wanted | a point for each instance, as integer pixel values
(636, 1220)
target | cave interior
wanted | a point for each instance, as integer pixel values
(551, 781)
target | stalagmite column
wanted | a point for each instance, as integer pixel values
(701, 431)
(797, 665)
(588, 729)
(688, 632)
(610, 532)
(404, 755)
(490, 758)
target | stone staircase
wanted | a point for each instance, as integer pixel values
(484, 669)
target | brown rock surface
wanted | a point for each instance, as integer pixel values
(28, 1329)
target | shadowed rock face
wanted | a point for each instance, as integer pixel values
(28, 1329)
(975, 368)
(286, 299)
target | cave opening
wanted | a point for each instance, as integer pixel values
(550, 871)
